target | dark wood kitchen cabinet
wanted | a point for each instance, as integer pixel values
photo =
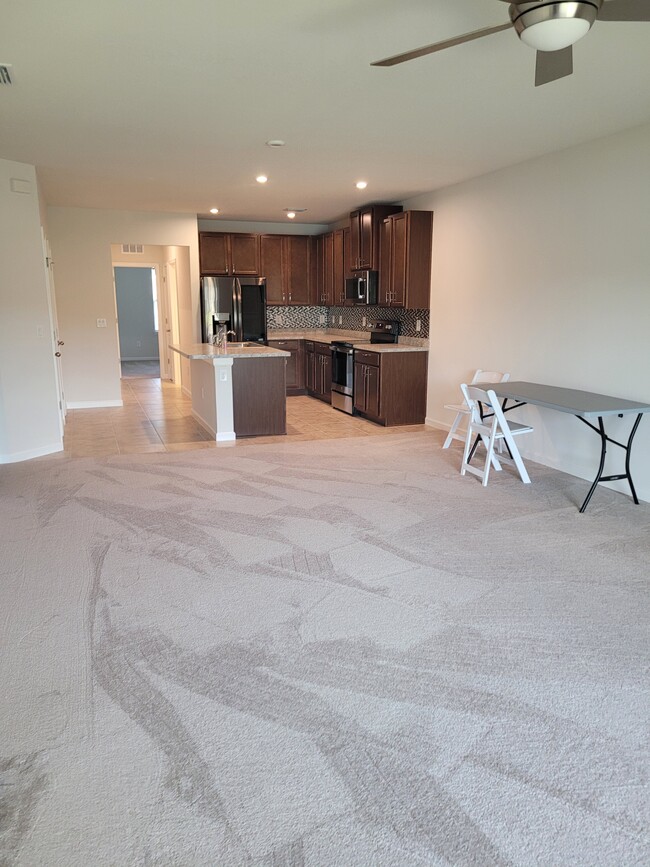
(391, 387)
(295, 364)
(365, 240)
(323, 270)
(259, 396)
(229, 254)
(318, 370)
(405, 272)
(285, 261)
(340, 248)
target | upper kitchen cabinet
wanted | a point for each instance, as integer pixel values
(365, 239)
(323, 270)
(405, 269)
(340, 255)
(271, 267)
(285, 262)
(298, 268)
(229, 254)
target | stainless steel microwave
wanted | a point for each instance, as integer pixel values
(362, 287)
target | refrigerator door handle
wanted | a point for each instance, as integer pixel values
(237, 310)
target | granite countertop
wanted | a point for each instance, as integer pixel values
(357, 338)
(390, 347)
(208, 352)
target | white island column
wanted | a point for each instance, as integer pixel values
(212, 403)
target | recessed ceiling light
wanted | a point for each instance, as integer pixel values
(361, 185)
(214, 210)
(261, 179)
(291, 215)
(275, 143)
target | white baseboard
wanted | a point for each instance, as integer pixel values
(92, 404)
(431, 422)
(31, 453)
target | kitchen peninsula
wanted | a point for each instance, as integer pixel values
(237, 391)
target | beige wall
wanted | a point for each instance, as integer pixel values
(81, 241)
(543, 270)
(29, 415)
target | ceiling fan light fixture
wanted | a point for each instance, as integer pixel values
(553, 26)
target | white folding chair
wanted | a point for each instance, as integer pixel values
(462, 410)
(491, 430)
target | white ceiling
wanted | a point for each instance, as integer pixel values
(166, 106)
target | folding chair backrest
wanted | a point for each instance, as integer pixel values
(489, 376)
(474, 397)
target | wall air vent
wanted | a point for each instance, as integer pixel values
(6, 76)
(133, 248)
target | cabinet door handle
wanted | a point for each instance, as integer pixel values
(289, 297)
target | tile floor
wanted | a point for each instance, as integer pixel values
(156, 417)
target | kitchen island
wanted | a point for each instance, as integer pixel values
(237, 391)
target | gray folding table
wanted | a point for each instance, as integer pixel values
(583, 405)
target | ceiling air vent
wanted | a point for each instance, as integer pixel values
(5, 73)
(133, 248)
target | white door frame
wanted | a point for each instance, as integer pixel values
(55, 339)
(172, 324)
(152, 266)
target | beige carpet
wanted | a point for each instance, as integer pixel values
(319, 653)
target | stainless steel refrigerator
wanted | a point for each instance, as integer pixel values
(239, 302)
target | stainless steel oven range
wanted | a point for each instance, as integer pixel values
(342, 375)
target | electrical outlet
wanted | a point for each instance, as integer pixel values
(321, 319)
(101, 323)
(39, 331)
(418, 324)
(340, 320)
(363, 321)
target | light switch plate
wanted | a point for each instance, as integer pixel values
(418, 324)
(101, 323)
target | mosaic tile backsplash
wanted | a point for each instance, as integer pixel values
(297, 317)
(351, 318)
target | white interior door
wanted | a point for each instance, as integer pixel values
(57, 343)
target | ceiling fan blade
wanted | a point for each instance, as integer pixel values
(625, 10)
(438, 46)
(552, 65)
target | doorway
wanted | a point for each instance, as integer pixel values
(138, 318)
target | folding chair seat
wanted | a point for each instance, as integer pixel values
(462, 410)
(492, 427)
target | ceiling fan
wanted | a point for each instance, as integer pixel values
(550, 27)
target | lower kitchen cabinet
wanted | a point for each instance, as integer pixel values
(318, 370)
(259, 396)
(391, 388)
(295, 364)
